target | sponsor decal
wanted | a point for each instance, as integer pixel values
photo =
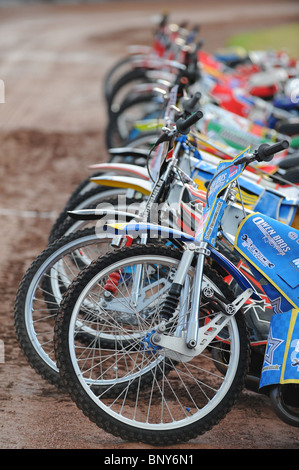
(292, 235)
(271, 236)
(233, 170)
(217, 183)
(248, 243)
(273, 344)
(214, 220)
(295, 264)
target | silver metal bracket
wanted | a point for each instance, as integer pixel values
(231, 309)
(176, 347)
(198, 249)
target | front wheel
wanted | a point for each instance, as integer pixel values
(133, 388)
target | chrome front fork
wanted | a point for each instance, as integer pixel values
(193, 323)
(179, 280)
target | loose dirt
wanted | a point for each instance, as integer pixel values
(53, 60)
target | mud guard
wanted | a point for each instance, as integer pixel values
(124, 169)
(137, 184)
(97, 214)
(128, 152)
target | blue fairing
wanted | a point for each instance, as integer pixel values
(273, 249)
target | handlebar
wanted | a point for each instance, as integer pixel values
(183, 125)
(265, 152)
(190, 105)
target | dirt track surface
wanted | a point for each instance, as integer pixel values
(53, 60)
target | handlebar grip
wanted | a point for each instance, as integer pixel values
(190, 104)
(265, 152)
(183, 125)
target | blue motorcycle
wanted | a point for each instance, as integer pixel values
(180, 351)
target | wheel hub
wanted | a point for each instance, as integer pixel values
(147, 344)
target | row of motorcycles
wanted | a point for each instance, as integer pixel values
(171, 277)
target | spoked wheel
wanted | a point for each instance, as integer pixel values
(40, 293)
(135, 388)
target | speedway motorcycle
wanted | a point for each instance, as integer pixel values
(51, 273)
(179, 347)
